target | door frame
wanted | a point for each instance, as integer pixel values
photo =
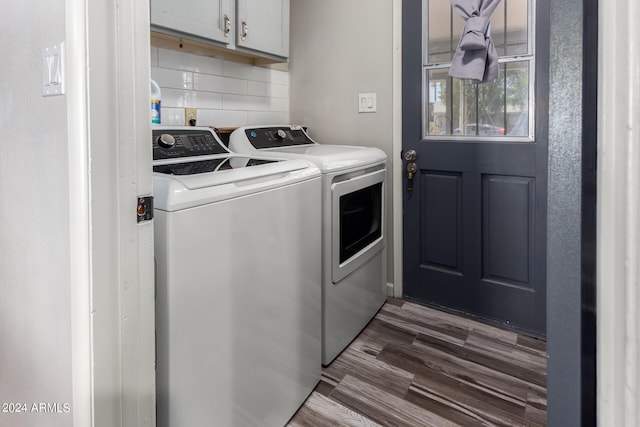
(396, 158)
(618, 215)
(107, 68)
(571, 308)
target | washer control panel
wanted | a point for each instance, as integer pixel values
(274, 137)
(176, 143)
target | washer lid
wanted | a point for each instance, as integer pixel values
(329, 158)
(232, 169)
(210, 165)
(175, 192)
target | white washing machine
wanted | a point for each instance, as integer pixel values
(353, 225)
(238, 299)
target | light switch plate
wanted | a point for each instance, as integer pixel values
(53, 70)
(366, 102)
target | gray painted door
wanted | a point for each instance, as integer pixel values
(475, 221)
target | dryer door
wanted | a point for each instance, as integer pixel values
(358, 220)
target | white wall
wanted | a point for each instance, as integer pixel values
(339, 49)
(225, 93)
(35, 324)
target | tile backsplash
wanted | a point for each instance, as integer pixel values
(225, 93)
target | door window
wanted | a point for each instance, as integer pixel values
(455, 108)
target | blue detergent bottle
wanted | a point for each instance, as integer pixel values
(156, 99)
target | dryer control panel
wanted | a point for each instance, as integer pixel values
(274, 137)
(171, 143)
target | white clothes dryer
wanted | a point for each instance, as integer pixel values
(238, 299)
(353, 225)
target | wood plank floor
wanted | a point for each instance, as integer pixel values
(416, 366)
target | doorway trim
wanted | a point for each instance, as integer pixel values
(618, 276)
(112, 288)
(396, 149)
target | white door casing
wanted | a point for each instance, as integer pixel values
(618, 234)
(107, 64)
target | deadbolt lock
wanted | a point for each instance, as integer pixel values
(411, 170)
(410, 157)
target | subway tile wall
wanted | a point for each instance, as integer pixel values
(225, 93)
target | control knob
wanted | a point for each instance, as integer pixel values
(281, 134)
(166, 140)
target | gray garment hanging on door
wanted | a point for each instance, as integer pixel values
(476, 56)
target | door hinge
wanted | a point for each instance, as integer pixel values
(145, 208)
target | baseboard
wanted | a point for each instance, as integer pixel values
(389, 289)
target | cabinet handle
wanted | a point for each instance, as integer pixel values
(227, 25)
(245, 31)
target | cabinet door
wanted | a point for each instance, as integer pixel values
(209, 19)
(263, 25)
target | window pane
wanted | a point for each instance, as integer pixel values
(509, 29)
(517, 98)
(441, 90)
(445, 27)
(483, 109)
(497, 27)
(457, 107)
(517, 28)
(498, 109)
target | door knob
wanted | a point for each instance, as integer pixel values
(410, 155)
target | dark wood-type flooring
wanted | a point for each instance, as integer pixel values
(416, 366)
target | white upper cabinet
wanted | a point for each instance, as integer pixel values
(256, 27)
(209, 19)
(263, 25)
